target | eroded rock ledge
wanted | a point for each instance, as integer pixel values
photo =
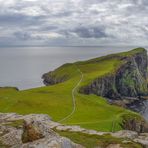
(38, 131)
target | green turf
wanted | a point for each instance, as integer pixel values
(91, 141)
(92, 111)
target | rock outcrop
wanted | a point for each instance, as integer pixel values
(32, 130)
(128, 80)
(38, 131)
(51, 79)
(57, 76)
(138, 124)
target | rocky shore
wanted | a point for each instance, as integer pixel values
(39, 131)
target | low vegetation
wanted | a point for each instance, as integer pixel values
(15, 123)
(91, 141)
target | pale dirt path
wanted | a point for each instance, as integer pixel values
(74, 104)
(73, 97)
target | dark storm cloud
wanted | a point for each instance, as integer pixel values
(71, 21)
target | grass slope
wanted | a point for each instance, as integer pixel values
(92, 111)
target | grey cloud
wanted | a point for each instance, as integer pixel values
(90, 32)
(91, 20)
(49, 28)
(19, 20)
(62, 14)
(22, 35)
(8, 19)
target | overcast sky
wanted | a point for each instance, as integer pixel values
(73, 22)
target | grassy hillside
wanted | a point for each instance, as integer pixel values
(91, 112)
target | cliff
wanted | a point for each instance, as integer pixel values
(116, 76)
(59, 75)
(121, 78)
(128, 80)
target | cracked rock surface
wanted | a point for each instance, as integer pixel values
(37, 131)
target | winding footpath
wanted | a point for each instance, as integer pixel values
(73, 97)
(74, 105)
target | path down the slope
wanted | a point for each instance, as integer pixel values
(73, 96)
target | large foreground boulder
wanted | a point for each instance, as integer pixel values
(30, 131)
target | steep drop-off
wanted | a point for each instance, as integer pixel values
(125, 78)
(128, 80)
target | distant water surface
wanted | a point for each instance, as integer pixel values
(23, 67)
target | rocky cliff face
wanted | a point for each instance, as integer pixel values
(129, 80)
(50, 79)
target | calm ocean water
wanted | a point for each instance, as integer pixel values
(23, 67)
